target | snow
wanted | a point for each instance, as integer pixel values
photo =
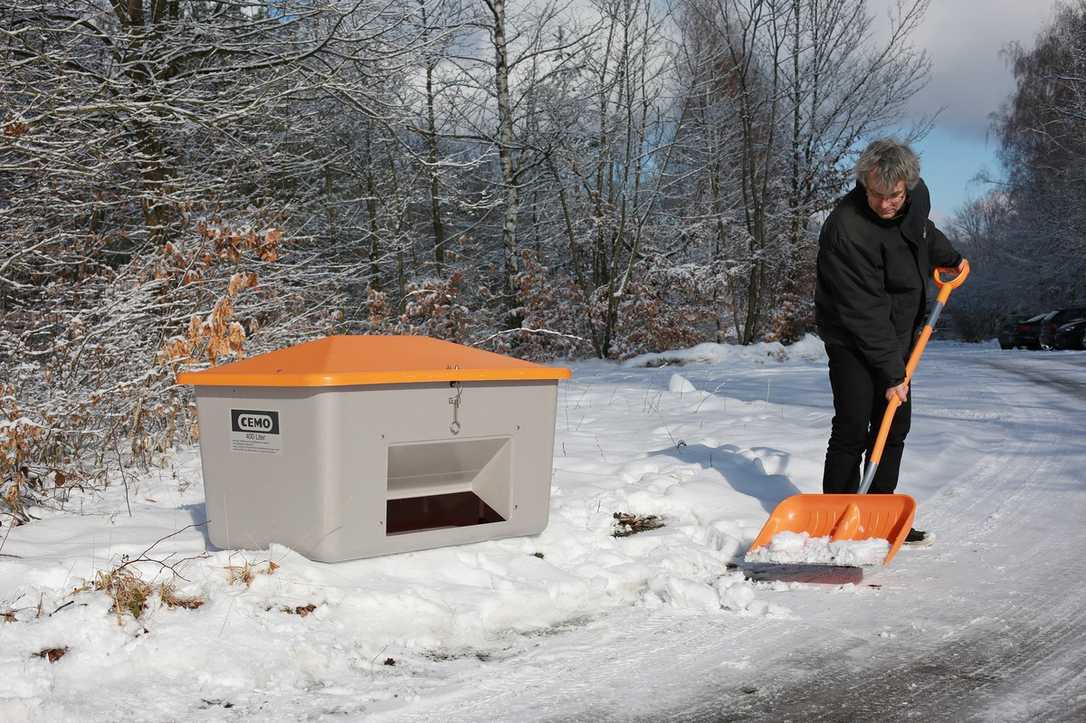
(800, 547)
(569, 617)
(9, 427)
(680, 384)
(808, 349)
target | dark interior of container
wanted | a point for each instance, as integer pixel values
(456, 509)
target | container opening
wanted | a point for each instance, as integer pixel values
(432, 485)
(458, 509)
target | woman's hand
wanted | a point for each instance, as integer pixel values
(901, 390)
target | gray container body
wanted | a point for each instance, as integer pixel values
(339, 473)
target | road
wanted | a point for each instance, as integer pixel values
(1012, 524)
(987, 625)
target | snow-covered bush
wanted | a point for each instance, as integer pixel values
(666, 308)
(99, 379)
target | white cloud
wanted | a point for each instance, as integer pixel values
(970, 78)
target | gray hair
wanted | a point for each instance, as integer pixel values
(891, 162)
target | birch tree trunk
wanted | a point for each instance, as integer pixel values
(505, 143)
(433, 157)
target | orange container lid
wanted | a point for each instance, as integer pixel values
(338, 361)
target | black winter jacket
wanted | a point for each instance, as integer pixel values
(872, 278)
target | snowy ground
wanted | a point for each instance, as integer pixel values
(576, 624)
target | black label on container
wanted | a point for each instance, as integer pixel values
(252, 420)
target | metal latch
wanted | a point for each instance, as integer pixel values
(455, 402)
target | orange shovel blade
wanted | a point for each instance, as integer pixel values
(843, 517)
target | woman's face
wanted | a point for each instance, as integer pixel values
(885, 202)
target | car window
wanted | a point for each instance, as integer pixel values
(1039, 317)
(1065, 315)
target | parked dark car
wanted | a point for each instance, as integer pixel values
(1070, 336)
(1027, 334)
(1047, 336)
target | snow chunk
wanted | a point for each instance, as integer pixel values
(680, 384)
(734, 593)
(684, 593)
(800, 547)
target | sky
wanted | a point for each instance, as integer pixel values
(970, 80)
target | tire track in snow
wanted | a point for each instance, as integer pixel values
(977, 503)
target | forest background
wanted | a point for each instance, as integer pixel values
(184, 182)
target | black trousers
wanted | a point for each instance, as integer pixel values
(859, 401)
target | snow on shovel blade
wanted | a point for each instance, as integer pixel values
(842, 517)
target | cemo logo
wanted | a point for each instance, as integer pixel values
(255, 422)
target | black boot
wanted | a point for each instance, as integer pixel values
(919, 538)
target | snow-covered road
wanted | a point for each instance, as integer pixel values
(990, 624)
(986, 625)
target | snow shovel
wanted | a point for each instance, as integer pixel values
(862, 516)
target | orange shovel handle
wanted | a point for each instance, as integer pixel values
(945, 287)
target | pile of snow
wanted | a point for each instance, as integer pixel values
(271, 623)
(808, 349)
(801, 548)
(680, 384)
(275, 631)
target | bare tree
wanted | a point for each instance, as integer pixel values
(1042, 131)
(499, 75)
(175, 186)
(608, 153)
(802, 83)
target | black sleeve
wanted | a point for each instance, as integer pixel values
(855, 275)
(941, 252)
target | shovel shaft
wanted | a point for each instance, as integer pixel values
(945, 287)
